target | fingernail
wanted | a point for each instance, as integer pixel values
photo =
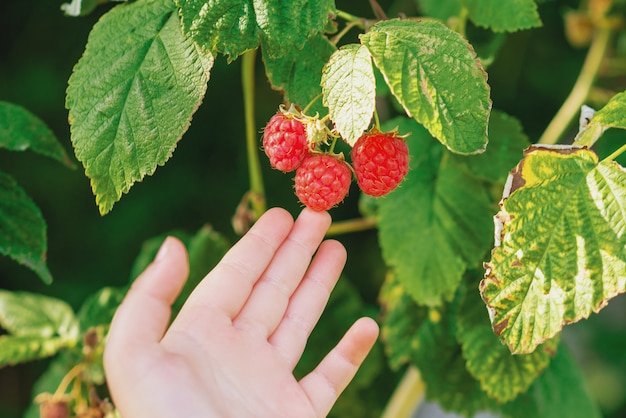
(162, 253)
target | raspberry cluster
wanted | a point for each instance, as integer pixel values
(293, 141)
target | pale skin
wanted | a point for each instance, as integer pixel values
(232, 349)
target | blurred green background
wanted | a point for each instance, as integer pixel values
(207, 176)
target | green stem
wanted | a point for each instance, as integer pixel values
(580, 91)
(67, 379)
(406, 397)
(376, 119)
(462, 22)
(349, 17)
(351, 225)
(345, 30)
(616, 154)
(311, 103)
(257, 189)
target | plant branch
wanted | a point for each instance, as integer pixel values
(616, 154)
(257, 196)
(351, 225)
(580, 91)
(349, 17)
(406, 397)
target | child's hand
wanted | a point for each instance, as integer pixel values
(232, 349)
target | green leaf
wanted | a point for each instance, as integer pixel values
(299, 74)
(349, 88)
(440, 9)
(21, 130)
(559, 392)
(225, 26)
(401, 320)
(560, 249)
(427, 339)
(24, 313)
(15, 349)
(39, 326)
(287, 25)
(132, 94)
(507, 142)
(514, 16)
(447, 210)
(99, 308)
(501, 375)
(22, 228)
(434, 74)
(232, 27)
(610, 116)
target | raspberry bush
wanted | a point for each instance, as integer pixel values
(482, 143)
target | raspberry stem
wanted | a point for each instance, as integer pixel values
(308, 106)
(351, 225)
(254, 165)
(376, 119)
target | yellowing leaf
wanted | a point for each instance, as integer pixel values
(560, 244)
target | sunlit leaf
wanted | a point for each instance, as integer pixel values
(24, 313)
(15, 349)
(501, 374)
(612, 115)
(299, 74)
(349, 88)
(510, 17)
(436, 223)
(22, 228)
(132, 94)
(20, 130)
(560, 244)
(38, 326)
(434, 74)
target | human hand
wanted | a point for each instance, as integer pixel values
(232, 349)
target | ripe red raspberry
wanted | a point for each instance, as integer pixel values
(380, 162)
(322, 181)
(285, 142)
